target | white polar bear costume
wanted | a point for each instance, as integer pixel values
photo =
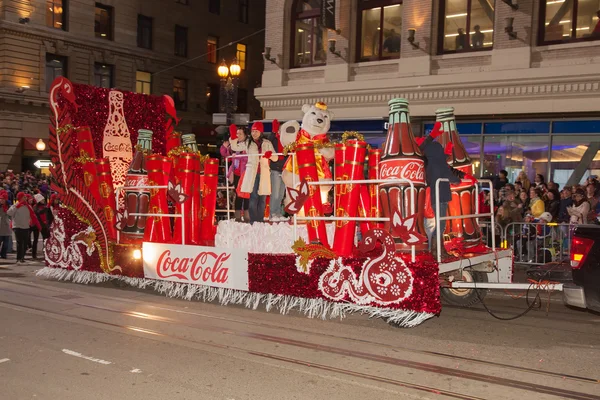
(315, 126)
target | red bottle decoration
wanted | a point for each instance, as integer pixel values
(338, 169)
(107, 195)
(188, 165)
(373, 171)
(137, 195)
(87, 157)
(313, 207)
(354, 166)
(209, 202)
(463, 194)
(402, 158)
(158, 229)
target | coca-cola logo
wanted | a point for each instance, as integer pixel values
(133, 181)
(207, 267)
(412, 170)
(117, 147)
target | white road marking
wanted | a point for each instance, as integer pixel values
(4, 360)
(136, 371)
(76, 354)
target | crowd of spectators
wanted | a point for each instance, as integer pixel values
(24, 213)
(540, 200)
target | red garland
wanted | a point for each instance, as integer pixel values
(141, 112)
(277, 274)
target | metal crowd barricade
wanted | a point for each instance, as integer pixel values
(120, 188)
(378, 182)
(477, 215)
(538, 243)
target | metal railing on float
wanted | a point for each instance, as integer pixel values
(477, 215)
(125, 188)
(377, 182)
(334, 182)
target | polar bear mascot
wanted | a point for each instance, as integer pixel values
(315, 126)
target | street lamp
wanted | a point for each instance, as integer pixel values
(229, 87)
(40, 145)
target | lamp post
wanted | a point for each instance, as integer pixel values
(40, 146)
(229, 88)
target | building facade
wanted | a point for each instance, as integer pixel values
(522, 75)
(149, 46)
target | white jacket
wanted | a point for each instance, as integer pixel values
(579, 213)
(264, 188)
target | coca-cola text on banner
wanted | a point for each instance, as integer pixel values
(210, 266)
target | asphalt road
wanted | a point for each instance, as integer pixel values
(65, 341)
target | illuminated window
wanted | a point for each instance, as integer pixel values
(569, 20)
(56, 14)
(241, 55)
(466, 25)
(103, 22)
(212, 43)
(143, 82)
(309, 37)
(380, 28)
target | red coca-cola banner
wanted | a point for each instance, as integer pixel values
(210, 266)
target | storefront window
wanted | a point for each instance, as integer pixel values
(381, 25)
(574, 158)
(466, 25)
(515, 153)
(309, 38)
(568, 20)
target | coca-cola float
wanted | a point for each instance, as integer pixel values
(138, 205)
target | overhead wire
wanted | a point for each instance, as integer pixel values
(209, 52)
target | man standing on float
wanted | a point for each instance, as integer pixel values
(436, 167)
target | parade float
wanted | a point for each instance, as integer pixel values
(138, 205)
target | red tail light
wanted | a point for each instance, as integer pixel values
(580, 247)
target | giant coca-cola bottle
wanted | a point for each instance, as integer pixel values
(402, 159)
(137, 200)
(463, 194)
(189, 140)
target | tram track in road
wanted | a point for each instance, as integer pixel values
(395, 348)
(432, 368)
(156, 335)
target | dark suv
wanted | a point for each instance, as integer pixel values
(584, 292)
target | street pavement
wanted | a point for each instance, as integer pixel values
(63, 341)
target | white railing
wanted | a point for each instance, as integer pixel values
(228, 188)
(477, 215)
(125, 188)
(377, 182)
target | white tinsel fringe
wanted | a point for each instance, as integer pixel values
(312, 308)
(275, 238)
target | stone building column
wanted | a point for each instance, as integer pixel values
(337, 69)
(277, 37)
(417, 14)
(513, 53)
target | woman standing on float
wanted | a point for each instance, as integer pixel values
(260, 151)
(236, 171)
